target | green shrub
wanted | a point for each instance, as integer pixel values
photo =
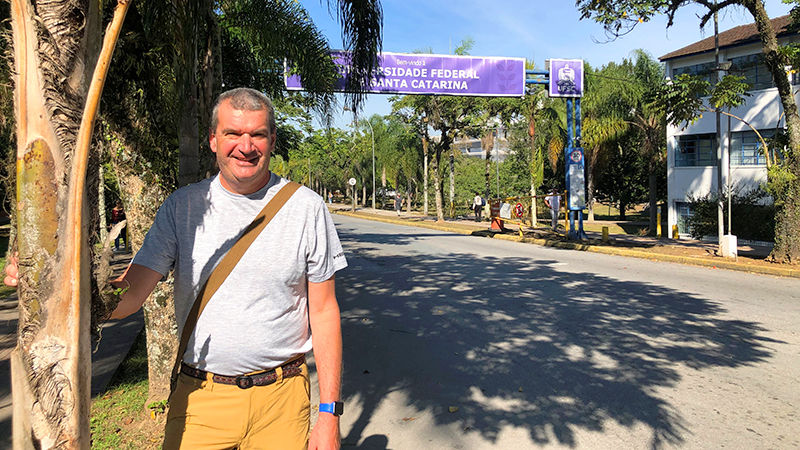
(753, 215)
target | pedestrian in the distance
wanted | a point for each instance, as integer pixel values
(553, 201)
(477, 206)
(117, 216)
(398, 203)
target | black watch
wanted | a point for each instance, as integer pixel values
(335, 408)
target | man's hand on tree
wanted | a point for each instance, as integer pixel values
(12, 270)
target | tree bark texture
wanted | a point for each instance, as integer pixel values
(784, 178)
(437, 182)
(535, 167)
(425, 176)
(142, 196)
(452, 161)
(54, 55)
(487, 143)
(186, 68)
(653, 199)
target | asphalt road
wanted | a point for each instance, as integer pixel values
(464, 342)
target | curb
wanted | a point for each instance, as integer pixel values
(588, 247)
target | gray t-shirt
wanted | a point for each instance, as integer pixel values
(258, 319)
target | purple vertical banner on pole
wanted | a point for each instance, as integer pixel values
(404, 73)
(566, 78)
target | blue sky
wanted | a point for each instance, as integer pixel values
(532, 29)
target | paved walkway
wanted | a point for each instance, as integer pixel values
(686, 251)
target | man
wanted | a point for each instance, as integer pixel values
(398, 202)
(553, 201)
(477, 206)
(259, 318)
(117, 216)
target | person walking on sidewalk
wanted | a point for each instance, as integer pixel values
(117, 216)
(398, 202)
(553, 201)
(243, 381)
(477, 206)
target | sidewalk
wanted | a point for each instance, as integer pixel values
(684, 251)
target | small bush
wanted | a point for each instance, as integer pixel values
(753, 215)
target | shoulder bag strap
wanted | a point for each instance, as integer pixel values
(226, 265)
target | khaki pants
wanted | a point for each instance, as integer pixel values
(207, 415)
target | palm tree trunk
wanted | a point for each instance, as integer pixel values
(186, 65)
(487, 143)
(653, 197)
(426, 176)
(452, 181)
(55, 48)
(786, 193)
(141, 202)
(408, 197)
(536, 162)
(590, 194)
(188, 138)
(437, 183)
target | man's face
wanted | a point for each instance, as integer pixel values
(243, 143)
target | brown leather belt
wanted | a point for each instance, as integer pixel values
(267, 377)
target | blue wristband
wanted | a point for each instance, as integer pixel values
(335, 408)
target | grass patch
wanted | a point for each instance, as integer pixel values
(119, 419)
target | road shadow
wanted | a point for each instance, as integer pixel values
(515, 342)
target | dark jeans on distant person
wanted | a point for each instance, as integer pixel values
(121, 239)
(478, 210)
(554, 217)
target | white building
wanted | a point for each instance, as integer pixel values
(470, 146)
(692, 151)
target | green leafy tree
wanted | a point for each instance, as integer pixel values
(623, 178)
(620, 100)
(449, 115)
(621, 16)
(604, 108)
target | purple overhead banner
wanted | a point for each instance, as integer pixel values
(406, 73)
(566, 78)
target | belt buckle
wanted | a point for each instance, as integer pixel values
(244, 382)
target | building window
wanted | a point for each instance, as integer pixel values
(754, 70)
(696, 150)
(684, 211)
(704, 71)
(746, 148)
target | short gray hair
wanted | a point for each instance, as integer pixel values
(244, 99)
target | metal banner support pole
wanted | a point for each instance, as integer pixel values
(568, 210)
(581, 233)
